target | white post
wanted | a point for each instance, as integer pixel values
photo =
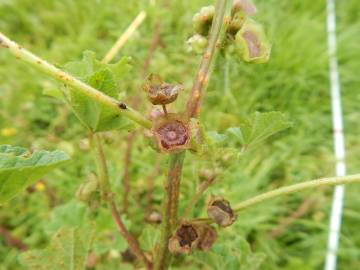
(339, 145)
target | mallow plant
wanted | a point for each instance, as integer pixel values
(91, 88)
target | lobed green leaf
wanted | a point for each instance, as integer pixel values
(20, 169)
(68, 249)
(105, 78)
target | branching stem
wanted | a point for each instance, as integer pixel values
(169, 214)
(58, 74)
(329, 181)
(194, 101)
(106, 192)
(170, 204)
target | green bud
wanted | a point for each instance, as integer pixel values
(203, 19)
(197, 135)
(197, 43)
(236, 23)
(251, 43)
(88, 190)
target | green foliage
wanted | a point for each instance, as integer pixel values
(149, 237)
(295, 81)
(72, 214)
(259, 127)
(68, 250)
(234, 254)
(20, 169)
(104, 77)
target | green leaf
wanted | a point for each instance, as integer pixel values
(149, 237)
(68, 249)
(105, 78)
(71, 214)
(234, 254)
(20, 169)
(259, 127)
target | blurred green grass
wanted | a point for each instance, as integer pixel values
(295, 81)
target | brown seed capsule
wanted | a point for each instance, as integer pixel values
(159, 92)
(220, 211)
(208, 236)
(185, 239)
(171, 132)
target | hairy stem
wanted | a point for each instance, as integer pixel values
(105, 189)
(170, 204)
(169, 213)
(126, 176)
(194, 101)
(67, 79)
(329, 181)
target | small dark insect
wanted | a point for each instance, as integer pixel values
(122, 106)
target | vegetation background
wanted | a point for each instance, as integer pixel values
(295, 81)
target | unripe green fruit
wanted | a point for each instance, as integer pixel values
(236, 23)
(251, 43)
(87, 190)
(203, 19)
(197, 43)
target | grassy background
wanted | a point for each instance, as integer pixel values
(295, 81)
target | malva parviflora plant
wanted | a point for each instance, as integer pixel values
(90, 88)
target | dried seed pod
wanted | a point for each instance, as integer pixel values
(159, 92)
(203, 19)
(185, 239)
(208, 236)
(246, 6)
(171, 133)
(220, 211)
(251, 43)
(197, 43)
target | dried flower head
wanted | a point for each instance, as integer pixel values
(208, 236)
(171, 133)
(251, 43)
(220, 211)
(185, 239)
(159, 92)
